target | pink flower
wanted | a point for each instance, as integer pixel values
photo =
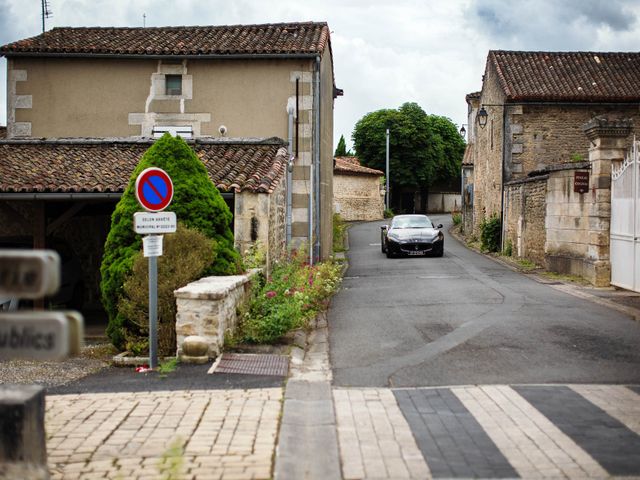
(270, 294)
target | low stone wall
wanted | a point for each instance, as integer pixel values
(524, 213)
(208, 308)
(444, 202)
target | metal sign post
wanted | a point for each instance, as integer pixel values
(153, 312)
(154, 191)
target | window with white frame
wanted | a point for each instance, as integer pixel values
(184, 131)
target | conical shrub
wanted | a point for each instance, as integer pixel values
(197, 204)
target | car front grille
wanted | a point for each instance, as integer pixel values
(416, 247)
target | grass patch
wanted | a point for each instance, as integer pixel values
(339, 232)
(525, 264)
(168, 366)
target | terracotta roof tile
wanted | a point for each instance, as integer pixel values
(568, 76)
(280, 38)
(351, 166)
(77, 166)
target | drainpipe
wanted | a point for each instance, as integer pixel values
(316, 150)
(290, 177)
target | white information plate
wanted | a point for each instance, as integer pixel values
(29, 273)
(152, 246)
(158, 223)
(34, 335)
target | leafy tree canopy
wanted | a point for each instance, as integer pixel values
(341, 149)
(423, 149)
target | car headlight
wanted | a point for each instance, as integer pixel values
(393, 236)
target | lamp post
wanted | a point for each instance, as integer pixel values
(387, 173)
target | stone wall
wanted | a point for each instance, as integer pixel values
(208, 308)
(567, 222)
(544, 135)
(524, 211)
(444, 202)
(488, 152)
(260, 218)
(357, 197)
(277, 223)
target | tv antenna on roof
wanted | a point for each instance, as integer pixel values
(46, 12)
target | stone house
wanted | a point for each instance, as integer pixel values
(527, 121)
(357, 190)
(256, 101)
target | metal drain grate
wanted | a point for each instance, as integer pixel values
(253, 364)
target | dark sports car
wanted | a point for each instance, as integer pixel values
(412, 235)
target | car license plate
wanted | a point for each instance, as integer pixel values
(419, 252)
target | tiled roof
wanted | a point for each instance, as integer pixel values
(104, 166)
(280, 38)
(468, 155)
(351, 166)
(568, 76)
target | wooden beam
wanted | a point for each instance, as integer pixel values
(67, 215)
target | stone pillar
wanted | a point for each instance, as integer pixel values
(23, 452)
(608, 144)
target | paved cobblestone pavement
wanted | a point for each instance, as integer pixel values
(213, 434)
(493, 431)
(583, 431)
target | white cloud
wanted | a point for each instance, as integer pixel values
(427, 51)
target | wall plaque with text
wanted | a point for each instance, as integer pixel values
(581, 182)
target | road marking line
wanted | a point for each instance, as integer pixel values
(618, 401)
(531, 443)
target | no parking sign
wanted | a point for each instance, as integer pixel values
(154, 189)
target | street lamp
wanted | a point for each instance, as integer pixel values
(387, 172)
(481, 117)
(463, 130)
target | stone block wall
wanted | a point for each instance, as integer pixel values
(357, 197)
(208, 308)
(568, 222)
(261, 218)
(488, 156)
(525, 218)
(544, 135)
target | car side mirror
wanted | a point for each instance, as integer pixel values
(384, 227)
(439, 225)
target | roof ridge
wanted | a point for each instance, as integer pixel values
(185, 27)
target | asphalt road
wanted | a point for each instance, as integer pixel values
(465, 319)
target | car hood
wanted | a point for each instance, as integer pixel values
(420, 234)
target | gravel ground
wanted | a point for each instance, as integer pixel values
(49, 374)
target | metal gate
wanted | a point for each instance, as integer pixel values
(625, 221)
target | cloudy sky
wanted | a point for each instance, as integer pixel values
(386, 53)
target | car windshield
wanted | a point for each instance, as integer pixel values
(412, 222)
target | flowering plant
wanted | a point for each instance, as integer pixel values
(287, 300)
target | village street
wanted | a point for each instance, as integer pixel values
(452, 367)
(465, 319)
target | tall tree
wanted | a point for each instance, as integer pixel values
(341, 149)
(424, 149)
